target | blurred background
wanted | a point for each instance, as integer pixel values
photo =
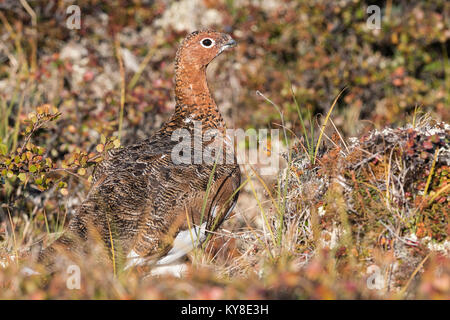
(314, 47)
(302, 52)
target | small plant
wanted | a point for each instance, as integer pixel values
(29, 163)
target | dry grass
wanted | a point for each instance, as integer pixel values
(335, 213)
(379, 201)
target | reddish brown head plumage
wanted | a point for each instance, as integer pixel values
(195, 53)
(199, 48)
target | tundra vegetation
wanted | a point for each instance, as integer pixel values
(359, 207)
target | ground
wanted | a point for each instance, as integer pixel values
(360, 211)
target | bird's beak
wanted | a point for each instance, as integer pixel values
(230, 44)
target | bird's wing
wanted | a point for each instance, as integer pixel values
(216, 205)
(144, 197)
(142, 152)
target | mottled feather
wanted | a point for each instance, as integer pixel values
(139, 196)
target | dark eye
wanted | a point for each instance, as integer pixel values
(207, 42)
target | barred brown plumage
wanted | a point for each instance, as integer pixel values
(139, 197)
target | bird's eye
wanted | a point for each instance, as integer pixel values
(207, 43)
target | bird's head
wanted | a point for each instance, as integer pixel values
(200, 47)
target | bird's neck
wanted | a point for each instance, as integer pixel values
(193, 97)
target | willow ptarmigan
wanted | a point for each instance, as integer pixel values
(143, 199)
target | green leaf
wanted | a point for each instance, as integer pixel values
(3, 149)
(116, 143)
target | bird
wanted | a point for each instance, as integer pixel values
(145, 204)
